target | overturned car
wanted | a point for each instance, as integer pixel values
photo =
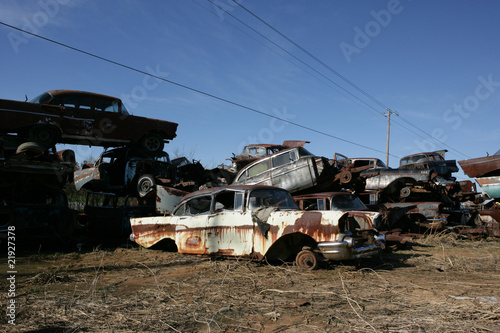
(260, 222)
(295, 169)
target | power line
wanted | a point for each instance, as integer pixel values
(352, 84)
(290, 54)
(189, 88)
(314, 57)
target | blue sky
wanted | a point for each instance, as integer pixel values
(435, 63)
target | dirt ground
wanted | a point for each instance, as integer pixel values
(438, 284)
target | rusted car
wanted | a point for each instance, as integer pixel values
(350, 169)
(434, 161)
(259, 222)
(77, 117)
(360, 217)
(254, 152)
(429, 215)
(394, 185)
(295, 170)
(125, 171)
(192, 176)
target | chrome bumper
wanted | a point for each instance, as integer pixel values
(345, 249)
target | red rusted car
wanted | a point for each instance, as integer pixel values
(77, 117)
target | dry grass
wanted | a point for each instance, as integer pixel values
(440, 285)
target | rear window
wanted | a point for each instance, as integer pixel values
(304, 152)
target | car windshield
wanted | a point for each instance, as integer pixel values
(162, 157)
(347, 202)
(271, 198)
(41, 99)
(251, 151)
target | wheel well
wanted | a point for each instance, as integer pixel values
(166, 244)
(416, 217)
(153, 132)
(54, 128)
(287, 247)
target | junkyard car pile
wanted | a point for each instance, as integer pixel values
(342, 208)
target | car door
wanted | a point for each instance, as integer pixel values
(77, 115)
(191, 223)
(108, 121)
(230, 229)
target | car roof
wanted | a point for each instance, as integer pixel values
(427, 153)
(212, 190)
(77, 92)
(246, 167)
(320, 195)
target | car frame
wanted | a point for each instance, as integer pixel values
(256, 221)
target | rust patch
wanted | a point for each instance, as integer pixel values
(194, 241)
(310, 223)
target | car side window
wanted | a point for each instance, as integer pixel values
(321, 204)
(179, 211)
(72, 101)
(224, 201)
(284, 159)
(258, 168)
(77, 101)
(239, 201)
(58, 100)
(200, 205)
(104, 104)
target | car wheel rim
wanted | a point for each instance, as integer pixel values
(307, 260)
(146, 186)
(153, 144)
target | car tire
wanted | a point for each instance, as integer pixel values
(46, 135)
(152, 143)
(145, 185)
(30, 148)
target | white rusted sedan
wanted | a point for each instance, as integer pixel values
(259, 222)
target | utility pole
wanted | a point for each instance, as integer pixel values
(388, 115)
